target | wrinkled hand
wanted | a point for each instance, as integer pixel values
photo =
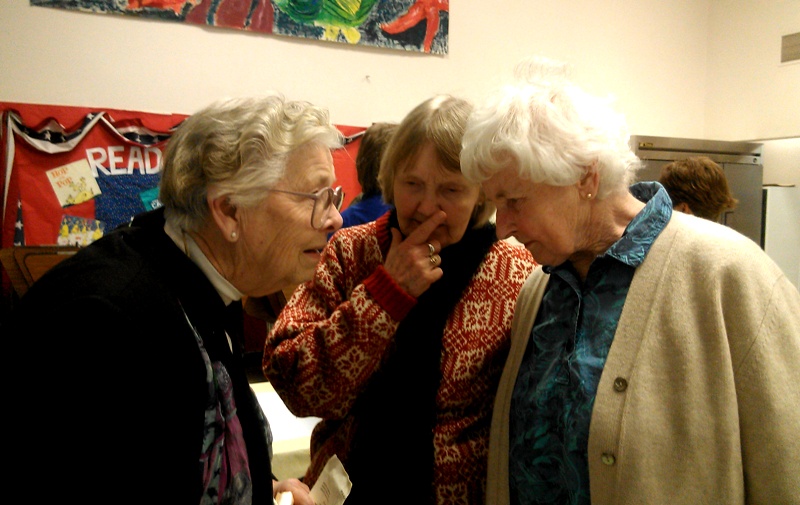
(409, 261)
(300, 492)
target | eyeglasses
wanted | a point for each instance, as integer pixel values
(324, 199)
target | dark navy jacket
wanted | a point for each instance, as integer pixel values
(109, 389)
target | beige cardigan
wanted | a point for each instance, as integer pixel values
(699, 400)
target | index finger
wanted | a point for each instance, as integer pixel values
(424, 230)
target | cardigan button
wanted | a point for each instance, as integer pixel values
(620, 384)
(608, 459)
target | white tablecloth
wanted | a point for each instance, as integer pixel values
(291, 434)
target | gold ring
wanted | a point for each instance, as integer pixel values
(431, 249)
(434, 260)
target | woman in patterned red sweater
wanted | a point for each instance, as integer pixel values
(398, 341)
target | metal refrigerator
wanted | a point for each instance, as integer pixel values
(782, 229)
(741, 161)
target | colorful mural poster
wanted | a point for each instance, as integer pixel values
(80, 231)
(408, 25)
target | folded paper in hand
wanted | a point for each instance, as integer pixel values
(333, 484)
(284, 498)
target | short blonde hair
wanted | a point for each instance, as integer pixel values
(440, 121)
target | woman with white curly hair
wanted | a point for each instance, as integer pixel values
(654, 355)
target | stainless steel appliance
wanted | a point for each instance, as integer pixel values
(782, 228)
(741, 162)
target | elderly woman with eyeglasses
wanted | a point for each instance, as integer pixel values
(131, 384)
(398, 341)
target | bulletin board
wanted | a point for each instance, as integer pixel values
(68, 174)
(122, 151)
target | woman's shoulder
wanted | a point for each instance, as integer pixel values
(699, 247)
(355, 244)
(707, 240)
(512, 248)
(509, 262)
(354, 235)
(509, 249)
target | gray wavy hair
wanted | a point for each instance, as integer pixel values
(236, 147)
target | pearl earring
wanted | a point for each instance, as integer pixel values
(234, 235)
(588, 196)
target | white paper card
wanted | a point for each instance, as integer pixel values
(73, 183)
(284, 498)
(333, 484)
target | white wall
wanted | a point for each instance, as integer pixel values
(782, 157)
(684, 68)
(752, 94)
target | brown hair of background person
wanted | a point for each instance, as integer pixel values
(368, 161)
(698, 186)
(369, 204)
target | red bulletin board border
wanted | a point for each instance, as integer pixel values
(37, 116)
(69, 118)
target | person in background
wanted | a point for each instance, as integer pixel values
(399, 340)
(655, 356)
(369, 204)
(130, 383)
(698, 186)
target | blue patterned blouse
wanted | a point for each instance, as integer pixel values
(557, 382)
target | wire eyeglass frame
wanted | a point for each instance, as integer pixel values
(330, 197)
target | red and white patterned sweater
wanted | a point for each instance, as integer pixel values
(335, 329)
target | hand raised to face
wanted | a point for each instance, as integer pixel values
(414, 262)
